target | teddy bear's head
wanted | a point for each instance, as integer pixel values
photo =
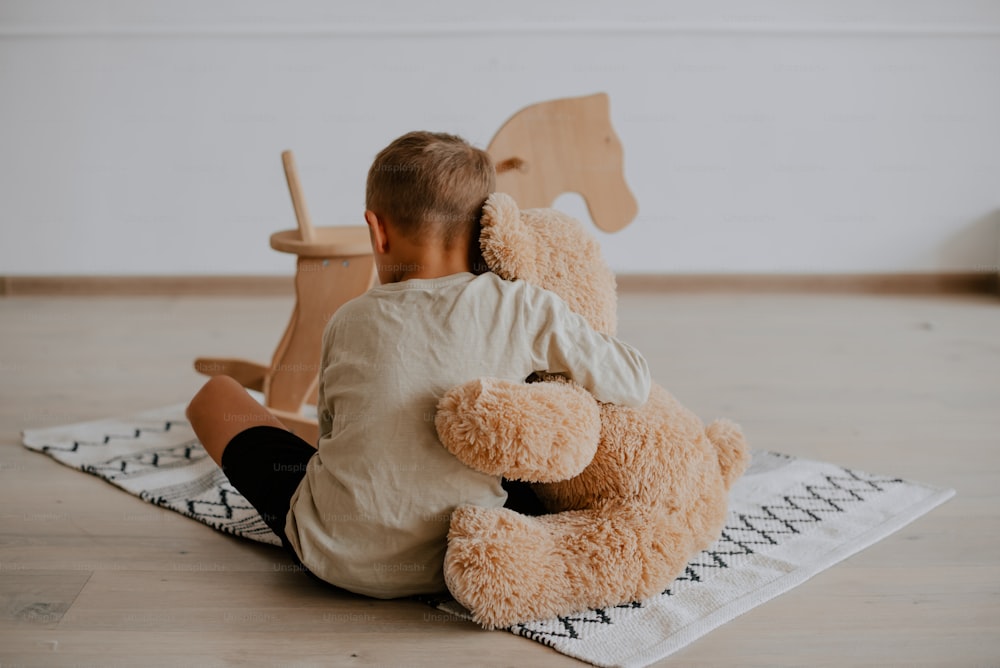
(552, 250)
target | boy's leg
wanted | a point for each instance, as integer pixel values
(220, 410)
(262, 459)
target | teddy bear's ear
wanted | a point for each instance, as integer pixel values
(509, 246)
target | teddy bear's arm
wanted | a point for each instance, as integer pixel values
(536, 432)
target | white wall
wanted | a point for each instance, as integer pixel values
(143, 136)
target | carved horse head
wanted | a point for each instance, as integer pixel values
(565, 145)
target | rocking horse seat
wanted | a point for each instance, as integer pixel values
(327, 242)
(333, 265)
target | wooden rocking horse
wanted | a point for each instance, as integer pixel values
(334, 265)
(542, 151)
(565, 145)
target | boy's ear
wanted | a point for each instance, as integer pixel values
(377, 231)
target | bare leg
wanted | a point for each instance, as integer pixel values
(220, 410)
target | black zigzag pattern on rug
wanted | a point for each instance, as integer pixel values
(744, 534)
(136, 434)
(747, 534)
(141, 463)
(570, 627)
(212, 500)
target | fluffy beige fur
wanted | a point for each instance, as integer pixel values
(633, 493)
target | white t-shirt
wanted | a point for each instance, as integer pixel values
(372, 512)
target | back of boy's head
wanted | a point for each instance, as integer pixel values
(431, 185)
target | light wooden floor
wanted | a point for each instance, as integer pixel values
(902, 385)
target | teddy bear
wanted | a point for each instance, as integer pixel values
(631, 494)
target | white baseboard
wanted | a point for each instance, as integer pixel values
(253, 286)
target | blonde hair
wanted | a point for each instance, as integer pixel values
(431, 185)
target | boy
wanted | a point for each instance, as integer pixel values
(369, 509)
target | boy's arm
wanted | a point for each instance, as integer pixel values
(612, 371)
(323, 415)
(558, 424)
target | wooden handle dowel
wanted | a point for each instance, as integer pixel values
(298, 201)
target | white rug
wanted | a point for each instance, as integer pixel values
(789, 519)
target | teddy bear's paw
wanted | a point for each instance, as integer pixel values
(537, 432)
(734, 454)
(501, 566)
(471, 426)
